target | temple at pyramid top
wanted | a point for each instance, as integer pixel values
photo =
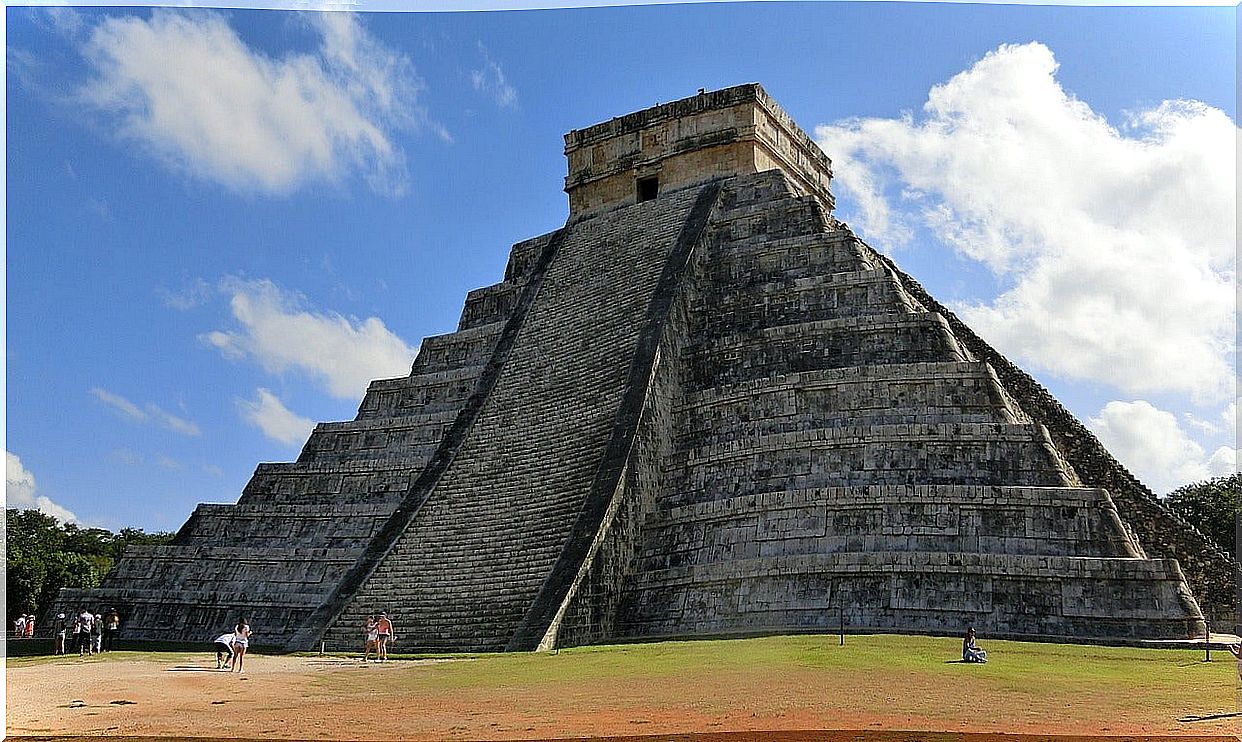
(734, 131)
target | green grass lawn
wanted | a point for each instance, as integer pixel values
(118, 656)
(1015, 668)
(789, 682)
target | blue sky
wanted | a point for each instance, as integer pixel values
(220, 224)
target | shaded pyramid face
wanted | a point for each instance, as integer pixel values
(702, 407)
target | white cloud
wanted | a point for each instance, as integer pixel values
(1116, 245)
(275, 420)
(193, 294)
(491, 81)
(20, 491)
(344, 354)
(127, 457)
(1150, 443)
(189, 89)
(1224, 461)
(120, 404)
(1206, 427)
(151, 413)
(172, 422)
(169, 463)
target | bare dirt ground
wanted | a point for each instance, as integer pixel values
(294, 697)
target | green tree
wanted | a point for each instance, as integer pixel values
(44, 555)
(1211, 507)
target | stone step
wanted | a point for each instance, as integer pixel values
(387, 448)
(918, 393)
(772, 303)
(240, 554)
(748, 201)
(330, 483)
(523, 257)
(490, 304)
(461, 557)
(469, 347)
(1000, 496)
(243, 569)
(174, 614)
(411, 436)
(366, 425)
(450, 631)
(1043, 596)
(181, 598)
(745, 262)
(760, 188)
(787, 217)
(420, 393)
(346, 526)
(1002, 520)
(285, 511)
(982, 454)
(822, 344)
(495, 510)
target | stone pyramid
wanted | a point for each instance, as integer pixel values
(702, 407)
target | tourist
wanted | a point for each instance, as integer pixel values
(371, 639)
(59, 628)
(75, 631)
(97, 633)
(1236, 650)
(112, 624)
(86, 621)
(241, 640)
(971, 651)
(19, 626)
(383, 630)
(224, 650)
(30, 623)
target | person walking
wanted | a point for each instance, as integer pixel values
(19, 626)
(241, 641)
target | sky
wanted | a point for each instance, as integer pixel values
(221, 224)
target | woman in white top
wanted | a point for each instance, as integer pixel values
(241, 640)
(372, 639)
